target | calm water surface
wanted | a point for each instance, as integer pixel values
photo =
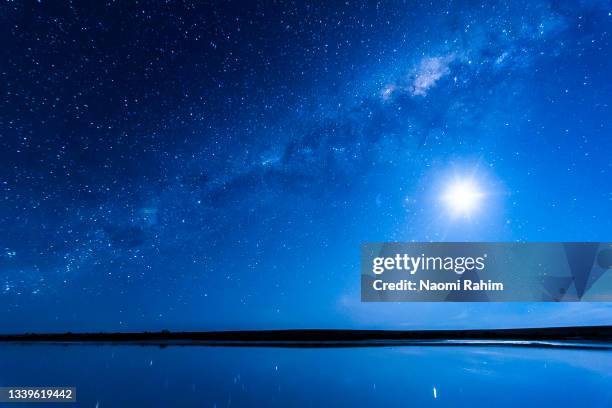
(197, 376)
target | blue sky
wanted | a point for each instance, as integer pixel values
(217, 167)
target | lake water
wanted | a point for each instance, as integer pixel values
(411, 376)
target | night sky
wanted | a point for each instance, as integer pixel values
(194, 166)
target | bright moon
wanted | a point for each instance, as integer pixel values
(462, 197)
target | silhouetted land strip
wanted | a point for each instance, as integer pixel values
(576, 336)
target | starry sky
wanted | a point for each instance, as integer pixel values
(197, 166)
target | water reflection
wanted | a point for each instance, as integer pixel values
(112, 376)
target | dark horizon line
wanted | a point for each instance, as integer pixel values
(329, 337)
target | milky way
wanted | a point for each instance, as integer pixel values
(182, 166)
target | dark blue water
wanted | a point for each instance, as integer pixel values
(130, 376)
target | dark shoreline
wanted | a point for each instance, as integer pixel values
(575, 337)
